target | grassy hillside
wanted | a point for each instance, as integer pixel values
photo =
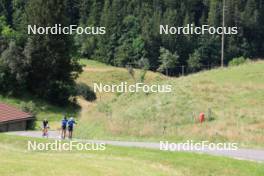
(96, 72)
(93, 72)
(18, 161)
(233, 96)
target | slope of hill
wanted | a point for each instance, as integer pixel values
(93, 72)
(232, 98)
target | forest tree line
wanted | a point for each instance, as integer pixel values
(133, 31)
(47, 65)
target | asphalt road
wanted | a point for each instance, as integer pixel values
(243, 154)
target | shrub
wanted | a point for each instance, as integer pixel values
(211, 115)
(58, 92)
(168, 60)
(29, 107)
(194, 61)
(238, 61)
(85, 91)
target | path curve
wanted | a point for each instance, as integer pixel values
(244, 154)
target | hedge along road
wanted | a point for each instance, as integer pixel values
(243, 154)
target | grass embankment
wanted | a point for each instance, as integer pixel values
(234, 96)
(17, 161)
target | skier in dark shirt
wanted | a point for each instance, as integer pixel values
(45, 126)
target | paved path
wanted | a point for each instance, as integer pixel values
(244, 154)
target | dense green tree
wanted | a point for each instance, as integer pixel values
(72, 11)
(6, 9)
(52, 69)
(12, 70)
(206, 55)
(214, 15)
(167, 60)
(131, 44)
(194, 61)
(14, 59)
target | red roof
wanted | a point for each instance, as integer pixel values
(9, 113)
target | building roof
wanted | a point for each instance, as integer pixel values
(10, 113)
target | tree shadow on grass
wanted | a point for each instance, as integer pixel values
(86, 92)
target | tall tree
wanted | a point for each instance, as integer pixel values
(168, 60)
(131, 43)
(52, 68)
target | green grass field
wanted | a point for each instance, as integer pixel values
(16, 160)
(233, 96)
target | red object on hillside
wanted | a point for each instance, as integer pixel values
(201, 117)
(10, 113)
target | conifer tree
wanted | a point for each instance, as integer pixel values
(52, 69)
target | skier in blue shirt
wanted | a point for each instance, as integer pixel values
(63, 127)
(71, 123)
